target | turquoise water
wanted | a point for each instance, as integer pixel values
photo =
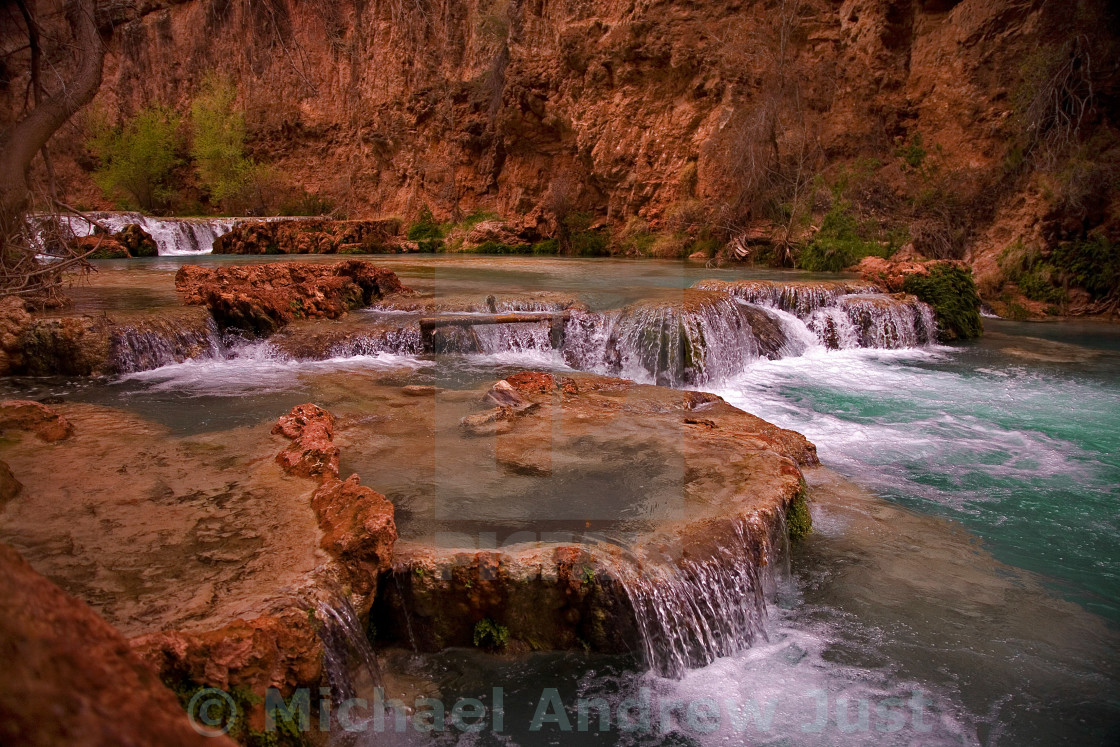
(1016, 438)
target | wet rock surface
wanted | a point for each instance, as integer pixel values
(34, 417)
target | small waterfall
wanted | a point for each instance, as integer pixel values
(349, 660)
(801, 298)
(152, 344)
(705, 337)
(693, 611)
(403, 340)
(874, 321)
(514, 338)
(173, 236)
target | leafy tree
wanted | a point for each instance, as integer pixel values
(137, 158)
(218, 144)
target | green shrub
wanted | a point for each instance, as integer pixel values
(494, 247)
(489, 635)
(913, 153)
(839, 243)
(426, 231)
(1092, 264)
(137, 158)
(218, 142)
(951, 292)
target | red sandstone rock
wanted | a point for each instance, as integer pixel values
(10, 487)
(14, 321)
(357, 522)
(312, 451)
(71, 678)
(25, 415)
(358, 529)
(892, 274)
(282, 651)
(311, 236)
(263, 298)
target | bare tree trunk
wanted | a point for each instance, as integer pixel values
(24, 139)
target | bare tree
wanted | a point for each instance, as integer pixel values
(20, 273)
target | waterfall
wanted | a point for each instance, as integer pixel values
(348, 659)
(692, 611)
(797, 297)
(514, 338)
(154, 343)
(706, 336)
(173, 236)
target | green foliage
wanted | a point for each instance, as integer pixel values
(839, 243)
(799, 523)
(494, 247)
(1092, 264)
(950, 290)
(136, 159)
(913, 153)
(490, 635)
(306, 203)
(426, 231)
(218, 141)
(287, 733)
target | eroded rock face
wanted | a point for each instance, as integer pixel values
(25, 415)
(358, 529)
(312, 236)
(71, 678)
(281, 651)
(260, 299)
(14, 320)
(892, 275)
(130, 241)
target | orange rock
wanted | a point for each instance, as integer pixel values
(71, 678)
(25, 415)
(358, 529)
(261, 299)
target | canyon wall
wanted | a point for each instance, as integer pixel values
(664, 110)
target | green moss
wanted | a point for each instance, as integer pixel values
(490, 635)
(951, 292)
(798, 520)
(244, 701)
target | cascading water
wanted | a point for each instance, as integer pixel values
(173, 236)
(709, 336)
(348, 659)
(692, 611)
(151, 345)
